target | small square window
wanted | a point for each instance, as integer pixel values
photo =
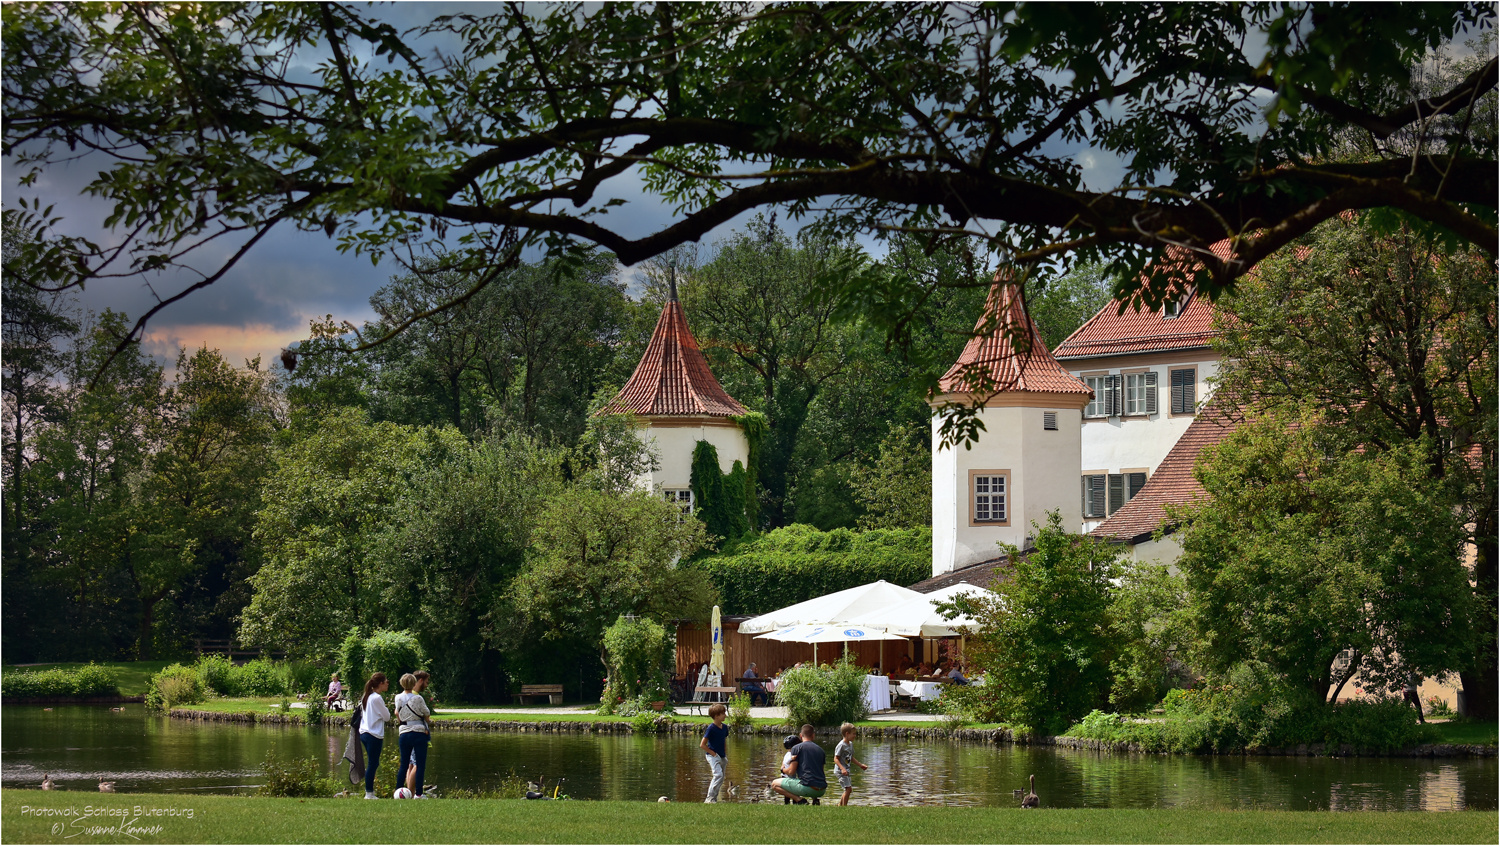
(1049, 421)
(1171, 308)
(989, 498)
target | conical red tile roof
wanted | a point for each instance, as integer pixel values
(993, 357)
(673, 377)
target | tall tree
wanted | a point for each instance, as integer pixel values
(324, 504)
(194, 505)
(599, 554)
(1392, 336)
(958, 120)
(1321, 560)
(37, 326)
(769, 343)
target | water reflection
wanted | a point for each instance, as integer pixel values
(80, 745)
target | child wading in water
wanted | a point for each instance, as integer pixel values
(843, 757)
(713, 747)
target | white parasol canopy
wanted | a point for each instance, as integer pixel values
(919, 617)
(845, 606)
(827, 634)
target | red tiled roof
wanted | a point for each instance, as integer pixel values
(1111, 332)
(673, 376)
(1173, 480)
(992, 357)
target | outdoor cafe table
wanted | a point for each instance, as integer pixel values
(925, 691)
(877, 693)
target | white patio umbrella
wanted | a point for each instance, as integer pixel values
(845, 606)
(826, 634)
(919, 617)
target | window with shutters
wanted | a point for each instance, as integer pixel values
(1184, 383)
(1171, 308)
(1049, 421)
(1140, 393)
(1108, 401)
(1106, 493)
(1093, 495)
(989, 497)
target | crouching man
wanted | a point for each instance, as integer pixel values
(804, 772)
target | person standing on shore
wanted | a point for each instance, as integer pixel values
(714, 749)
(414, 733)
(374, 715)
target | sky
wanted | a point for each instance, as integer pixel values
(268, 299)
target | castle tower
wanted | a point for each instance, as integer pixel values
(1025, 462)
(678, 402)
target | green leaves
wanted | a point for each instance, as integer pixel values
(1047, 641)
(1307, 552)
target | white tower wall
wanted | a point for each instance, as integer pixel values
(672, 441)
(1041, 467)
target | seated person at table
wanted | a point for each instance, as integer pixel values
(804, 775)
(754, 688)
(904, 668)
(923, 669)
(956, 675)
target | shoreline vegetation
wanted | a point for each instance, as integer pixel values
(32, 816)
(1453, 739)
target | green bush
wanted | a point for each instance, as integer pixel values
(88, 680)
(315, 708)
(216, 672)
(820, 697)
(640, 653)
(739, 711)
(351, 659)
(258, 678)
(299, 676)
(392, 653)
(174, 685)
(1249, 708)
(798, 562)
(293, 777)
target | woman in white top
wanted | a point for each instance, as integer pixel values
(373, 717)
(412, 711)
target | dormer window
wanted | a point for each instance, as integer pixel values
(1171, 308)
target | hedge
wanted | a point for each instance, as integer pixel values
(764, 572)
(88, 680)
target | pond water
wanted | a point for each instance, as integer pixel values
(79, 745)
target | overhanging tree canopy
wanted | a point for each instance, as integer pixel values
(221, 122)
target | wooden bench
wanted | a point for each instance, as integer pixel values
(553, 692)
(697, 705)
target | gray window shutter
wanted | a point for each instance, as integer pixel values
(1116, 492)
(1151, 392)
(1116, 406)
(1189, 391)
(1093, 496)
(1180, 379)
(1135, 481)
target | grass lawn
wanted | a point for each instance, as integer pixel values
(130, 675)
(235, 819)
(1464, 732)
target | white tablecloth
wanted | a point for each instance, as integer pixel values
(877, 693)
(925, 691)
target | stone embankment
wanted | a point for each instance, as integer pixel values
(666, 725)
